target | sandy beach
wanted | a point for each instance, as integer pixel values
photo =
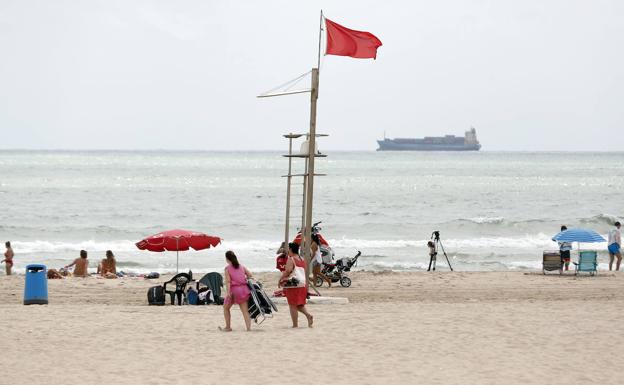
(405, 328)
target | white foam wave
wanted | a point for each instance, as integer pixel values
(486, 220)
(510, 244)
(40, 246)
(536, 241)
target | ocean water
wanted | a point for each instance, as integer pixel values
(495, 210)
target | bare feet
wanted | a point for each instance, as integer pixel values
(224, 329)
(310, 320)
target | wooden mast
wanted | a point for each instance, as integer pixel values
(309, 179)
(310, 169)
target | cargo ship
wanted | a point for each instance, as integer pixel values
(468, 142)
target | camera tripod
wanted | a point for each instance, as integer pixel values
(435, 236)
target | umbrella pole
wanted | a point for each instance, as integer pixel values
(177, 255)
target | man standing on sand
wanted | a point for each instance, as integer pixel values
(564, 251)
(615, 243)
(81, 264)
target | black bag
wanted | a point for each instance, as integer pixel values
(156, 296)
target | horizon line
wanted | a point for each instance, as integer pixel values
(276, 150)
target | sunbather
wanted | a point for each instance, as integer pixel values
(108, 267)
(81, 265)
(54, 274)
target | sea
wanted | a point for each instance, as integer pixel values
(495, 211)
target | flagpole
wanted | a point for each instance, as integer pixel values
(309, 185)
(318, 62)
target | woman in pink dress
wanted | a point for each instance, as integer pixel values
(294, 283)
(237, 291)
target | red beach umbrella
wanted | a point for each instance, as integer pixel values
(178, 240)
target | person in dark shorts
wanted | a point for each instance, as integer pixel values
(614, 245)
(564, 251)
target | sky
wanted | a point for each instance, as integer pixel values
(529, 75)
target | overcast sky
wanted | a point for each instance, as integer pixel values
(529, 75)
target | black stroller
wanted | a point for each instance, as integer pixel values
(336, 271)
(260, 305)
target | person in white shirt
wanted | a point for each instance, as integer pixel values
(317, 261)
(615, 243)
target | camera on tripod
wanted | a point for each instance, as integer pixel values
(433, 245)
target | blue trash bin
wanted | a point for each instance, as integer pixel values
(36, 287)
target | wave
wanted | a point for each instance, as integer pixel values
(511, 245)
(40, 246)
(484, 220)
(540, 240)
(601, 219)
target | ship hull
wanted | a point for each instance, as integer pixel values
(389, 145)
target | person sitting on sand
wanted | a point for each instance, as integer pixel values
(236, 290)
(81, 265)
(8, 258)
(108, 267)
(295, 288)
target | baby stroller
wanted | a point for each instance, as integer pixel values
(336, 271)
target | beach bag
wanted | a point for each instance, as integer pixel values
(192, 297)
(297, 278)
(205, 297)
(156, 296)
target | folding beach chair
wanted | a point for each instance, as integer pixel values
(588, 261)
(214, 281)
(551, 260)
(260, 305)
(180, 280)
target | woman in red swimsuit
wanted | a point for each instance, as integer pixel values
(294, 283)
(8, 257)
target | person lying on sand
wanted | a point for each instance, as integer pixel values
(81, 265)
(108, 267)
(54, 274)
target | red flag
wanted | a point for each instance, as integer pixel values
(343, 41)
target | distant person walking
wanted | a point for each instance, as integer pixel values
(293, 280)
(615, 245)
(564, 251)
(81, 265)
(8, 258)
(236, 291)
